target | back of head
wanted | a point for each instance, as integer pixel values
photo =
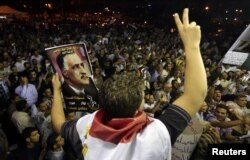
(21, 105)
(51, 141)
(27, 132)
(122, 95)
(23, 74)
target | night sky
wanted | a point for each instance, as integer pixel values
(126, 5)
(205, 11)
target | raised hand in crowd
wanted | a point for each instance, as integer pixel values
(195, 85)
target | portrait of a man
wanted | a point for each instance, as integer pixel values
(78, 88)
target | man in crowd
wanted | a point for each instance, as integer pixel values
(238, 107)
(20, 64)
(224, 124)
(238, 110)
(30, 148)
(27, 90)
(4, 91)
(13, 78)
(121, 130)
(214, 98)
(21, 118)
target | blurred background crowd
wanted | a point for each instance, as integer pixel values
(116, 43)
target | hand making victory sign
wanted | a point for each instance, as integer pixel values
(195, 84)
(190, 33)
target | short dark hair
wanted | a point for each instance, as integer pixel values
(60, 61)
(51, 140)
(25, 63)
(23, 74)
(21, 104)
(223, 105)
(218, 88)
(60, 58)
(240, 95)
(27, 133)
(121, 95)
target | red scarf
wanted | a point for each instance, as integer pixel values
(118, 130)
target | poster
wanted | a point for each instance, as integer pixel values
(239, 52)
(73, 66)
(187, 141)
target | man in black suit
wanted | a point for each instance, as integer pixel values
(77, 82)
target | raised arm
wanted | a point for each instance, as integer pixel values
(227, 124)
(195, 85)
(57, 113)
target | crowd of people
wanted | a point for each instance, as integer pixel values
(155, 55)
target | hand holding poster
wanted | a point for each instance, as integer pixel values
(72, 64)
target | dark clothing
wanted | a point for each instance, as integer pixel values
(28, 153)
(76, 101)
(73, 143)
(14, 80)
(175, 119)
(106, 64)
(4, 96)
(90, 90)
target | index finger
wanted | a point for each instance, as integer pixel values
(177, 21)
(185, 18)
